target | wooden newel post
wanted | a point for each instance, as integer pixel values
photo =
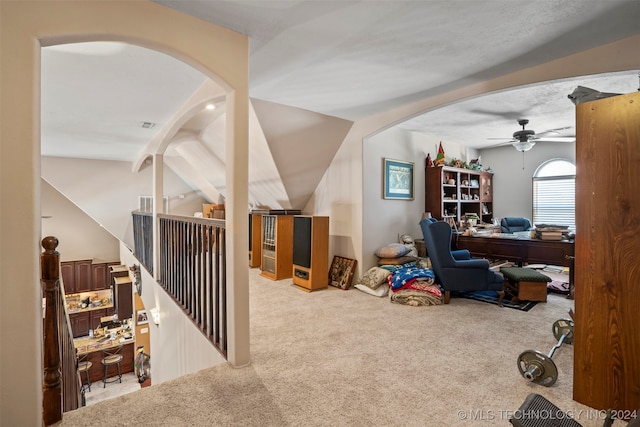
(52, 384)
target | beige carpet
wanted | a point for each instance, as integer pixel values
(345, 358)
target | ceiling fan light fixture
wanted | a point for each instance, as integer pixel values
(523, 145)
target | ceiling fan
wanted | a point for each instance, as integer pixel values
(524, 139)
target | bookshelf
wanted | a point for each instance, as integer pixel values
(450, 193)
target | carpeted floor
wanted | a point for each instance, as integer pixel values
(345, 358)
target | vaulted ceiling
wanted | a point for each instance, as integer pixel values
(316, 67)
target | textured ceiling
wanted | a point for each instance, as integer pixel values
(342, 59)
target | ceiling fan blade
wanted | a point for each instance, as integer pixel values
(502, 144)
(509, 115)
(501, 138)
(555, 131)
(555, 139)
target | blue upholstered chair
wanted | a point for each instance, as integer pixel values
(457, 271)
(512, 224)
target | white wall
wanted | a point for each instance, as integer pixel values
(383, 219)
(177, 347)
(513, 185)
(108, 191)
(24, 27)
(80, 236)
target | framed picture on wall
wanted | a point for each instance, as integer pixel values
(398, 179)
(141, 317)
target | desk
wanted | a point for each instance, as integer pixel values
(518, 248)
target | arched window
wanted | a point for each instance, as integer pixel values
(554, 193)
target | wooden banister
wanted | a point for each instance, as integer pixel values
(192, 267)
(61, 384)
(52, 382)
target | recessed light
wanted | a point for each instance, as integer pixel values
(147, 125)
(210, 106)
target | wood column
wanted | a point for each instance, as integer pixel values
(52, 381)
(607, 254)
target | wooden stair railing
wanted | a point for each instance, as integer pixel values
(192, 267)
(61, 383)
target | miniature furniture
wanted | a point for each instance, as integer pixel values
(525, 284)
(459, 273)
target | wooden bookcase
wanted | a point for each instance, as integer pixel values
(311, 252)
(450, 193)
(277, 246)
(255, 240)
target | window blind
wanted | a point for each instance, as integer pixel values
(554, 200)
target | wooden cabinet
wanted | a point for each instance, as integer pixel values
(67, 273)
(123, 297)
(85, 320)
(85, 276)
(255, 240)
(311, 252)
(76, 276)
(606, 369)
(100, 276)
(95, 316)
(277, 246)
(80, 323)
(451, 193)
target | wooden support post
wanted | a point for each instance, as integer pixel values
(52, 382)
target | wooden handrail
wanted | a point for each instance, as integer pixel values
(192, 267)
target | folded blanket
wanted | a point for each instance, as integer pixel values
(414, 298)
(404, 276)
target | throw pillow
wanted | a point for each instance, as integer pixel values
(380, 292)
(374, 277)
(392, 250)
(396, 261)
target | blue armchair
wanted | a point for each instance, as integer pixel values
(512, 224)
(456, 270)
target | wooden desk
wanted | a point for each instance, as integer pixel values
(518, 249)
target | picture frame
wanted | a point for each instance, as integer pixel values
(398, 179)
(142, 317)
(341, 272)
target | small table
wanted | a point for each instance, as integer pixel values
(525, 284)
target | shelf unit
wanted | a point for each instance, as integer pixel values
(255, 240)
(451, 193)
(311, 252)
(277, 246)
